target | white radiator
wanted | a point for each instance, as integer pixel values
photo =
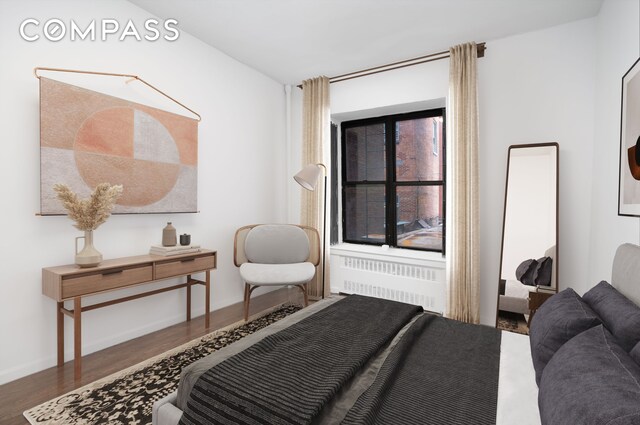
(405, 279)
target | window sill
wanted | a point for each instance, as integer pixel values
(349, 248)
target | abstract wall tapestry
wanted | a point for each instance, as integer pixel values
(629, 185)
(87, 138)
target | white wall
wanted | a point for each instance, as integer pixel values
(538, 87)
(409, 85)
(241, 163)
(534, 87)
(294, 190)
(618, 48)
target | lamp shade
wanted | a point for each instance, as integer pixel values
(308, 177)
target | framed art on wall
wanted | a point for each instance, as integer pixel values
(629, 177)
(87, 138)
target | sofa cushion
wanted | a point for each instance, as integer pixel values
(559, 319)
(618, 314)
(590, 380)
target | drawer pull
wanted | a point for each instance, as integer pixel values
(187, 260)
(108, 272)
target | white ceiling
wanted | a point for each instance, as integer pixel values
(291, 40)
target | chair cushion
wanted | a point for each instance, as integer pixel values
(620, 316)
(277, 274)
(276, 244)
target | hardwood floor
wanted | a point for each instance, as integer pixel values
(22, 394)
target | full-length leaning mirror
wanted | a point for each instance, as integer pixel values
(529, 256)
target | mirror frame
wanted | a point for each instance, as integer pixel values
(504, 213)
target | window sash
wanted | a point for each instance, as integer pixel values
(390, 182)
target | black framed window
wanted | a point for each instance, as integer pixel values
(393, 171)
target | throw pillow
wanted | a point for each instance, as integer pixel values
(635, 353)
(542, 274)
(618, 314)
(590, 380)
(559, 319)
(526, 270)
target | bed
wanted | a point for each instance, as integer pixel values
(509, 396)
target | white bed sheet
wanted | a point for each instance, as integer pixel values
(513, 288)
(517, 389)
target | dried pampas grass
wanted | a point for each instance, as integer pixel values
(89, 213)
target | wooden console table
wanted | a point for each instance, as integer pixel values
(70, 282)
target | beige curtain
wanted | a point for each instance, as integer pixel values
(462, 209)
(316, 131)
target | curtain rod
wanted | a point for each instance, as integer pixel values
(111, 74)
(397, 65)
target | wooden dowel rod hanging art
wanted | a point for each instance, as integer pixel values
(151, 152)
(111, 74)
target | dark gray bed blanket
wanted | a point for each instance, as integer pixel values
(441, 372)
(288, 377)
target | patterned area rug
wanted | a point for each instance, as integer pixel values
(513, 322)
(126, 397)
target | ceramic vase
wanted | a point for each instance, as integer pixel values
(89, 256)
(169, 235)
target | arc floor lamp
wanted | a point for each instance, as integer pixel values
(308, 178)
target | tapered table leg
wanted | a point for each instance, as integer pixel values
(188, 298)
(77, 338)
(60, 323)
(207, 300)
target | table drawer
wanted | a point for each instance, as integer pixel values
(184, 266)
(105, 280)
